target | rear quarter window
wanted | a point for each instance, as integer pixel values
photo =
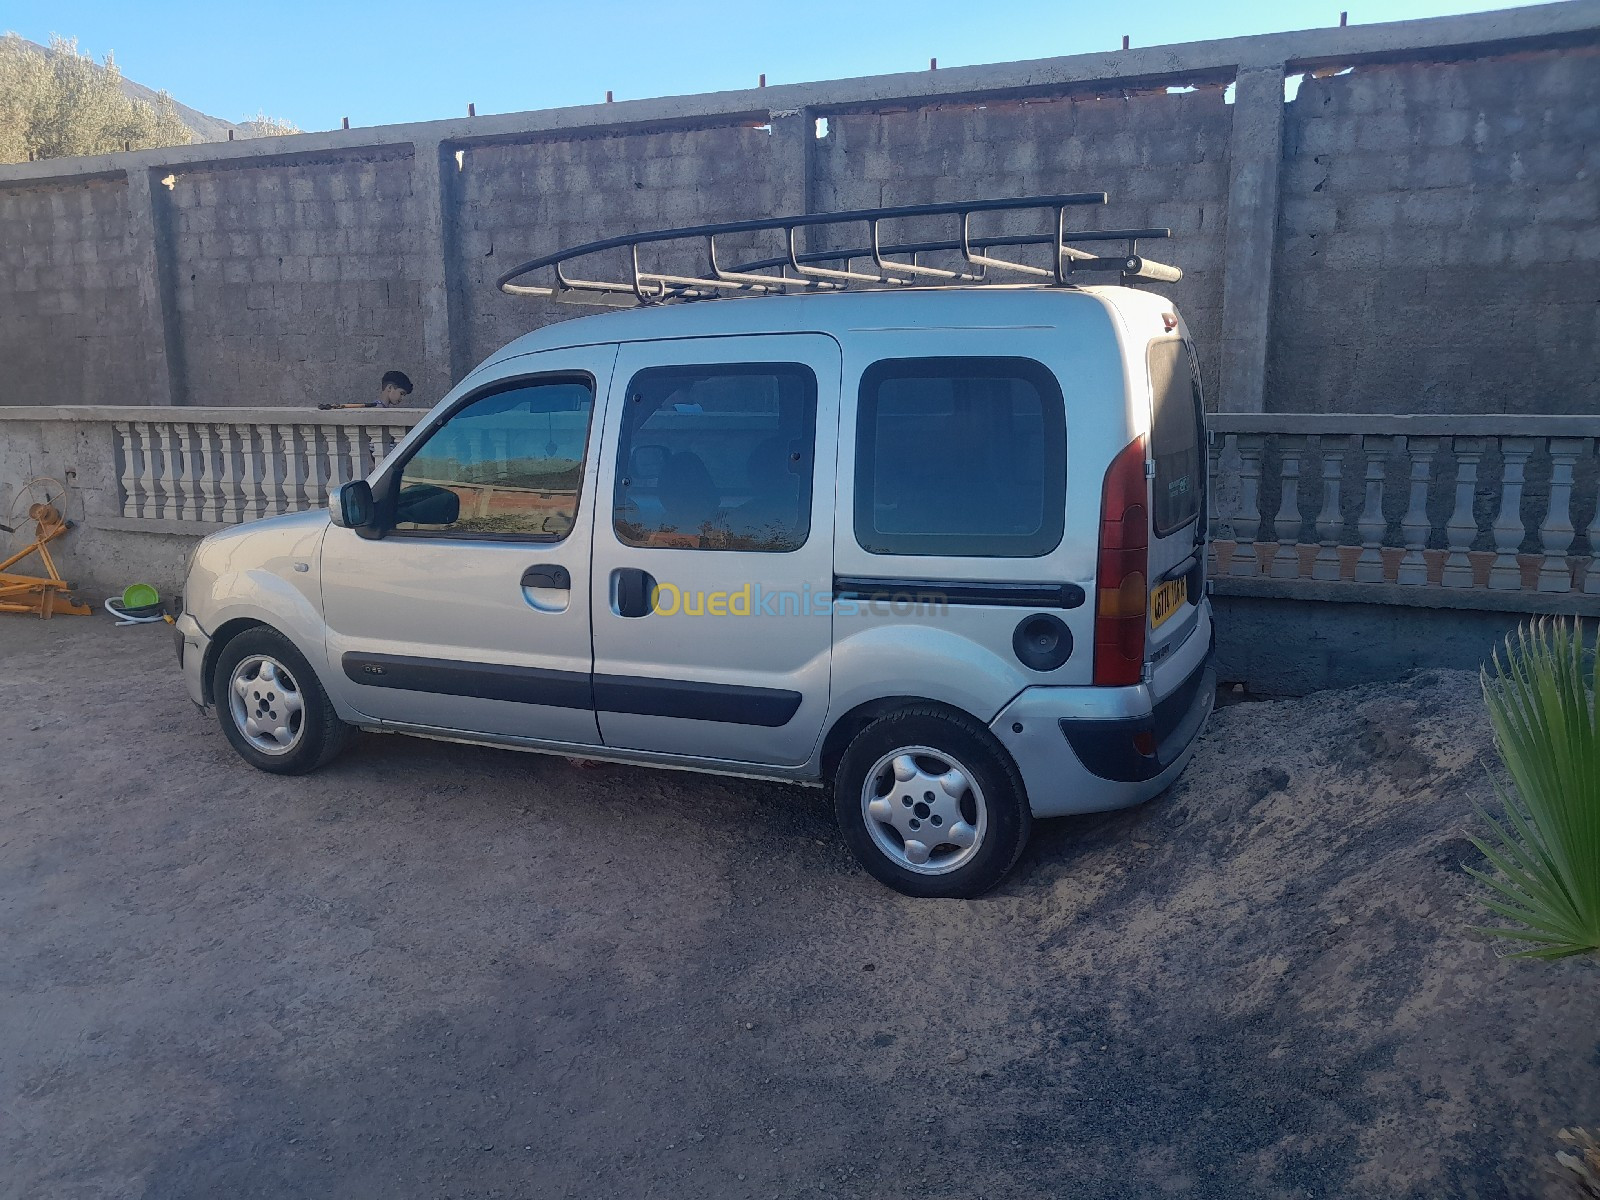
(1174, 436)
(963, 457)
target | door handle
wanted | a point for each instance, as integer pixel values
(633, 591)
(547, 575)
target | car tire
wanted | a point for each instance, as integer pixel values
(271, 706)
(931, 804)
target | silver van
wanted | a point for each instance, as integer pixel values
(938, 548)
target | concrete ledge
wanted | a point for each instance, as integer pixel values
(1341, 591)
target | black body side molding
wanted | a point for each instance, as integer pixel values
(959, 591)
(695, 701)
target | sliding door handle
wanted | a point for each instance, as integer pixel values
(632, 592)
(547, 575)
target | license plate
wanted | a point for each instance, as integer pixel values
(1168, 598)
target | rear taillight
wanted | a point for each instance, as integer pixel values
(1122, 581)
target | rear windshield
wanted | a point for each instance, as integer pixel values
(960, 456)
(1174, 437)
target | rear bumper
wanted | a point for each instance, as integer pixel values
(1137, 749)
(1078, 748)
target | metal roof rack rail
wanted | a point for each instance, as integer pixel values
(879, 264)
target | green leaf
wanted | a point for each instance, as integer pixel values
(1544, 849)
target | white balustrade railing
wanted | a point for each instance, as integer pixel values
(231, 466)
(1464, 511)
(1463, 504)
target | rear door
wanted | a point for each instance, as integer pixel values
(713, 547)
(1177, 493)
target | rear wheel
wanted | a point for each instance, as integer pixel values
(931, 804)
(271, 707)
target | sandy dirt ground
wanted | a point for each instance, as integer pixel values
(444, 971)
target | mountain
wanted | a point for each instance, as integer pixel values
(206, 128)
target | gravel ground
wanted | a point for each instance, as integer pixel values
(447, 971)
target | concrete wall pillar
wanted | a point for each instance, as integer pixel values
(1255, 154)
(151, 256)
(433, 166)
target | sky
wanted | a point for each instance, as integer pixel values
(314, 62)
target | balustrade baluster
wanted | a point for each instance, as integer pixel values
(1462, 528)
(167, 479)
(1506, 574)
(210, 465)
(1247, 523)
(1369, 564)
(293, 491)
(1591, 575)
(316, 479)
(250, 475)
(1284, 562)
(1415, 525)
(230, 492)
(1556, 534)
(360, 450)
(126, 479)
(1330, 524)
(183, 474)
(270, 495)
(148, 506)
(1223, 495)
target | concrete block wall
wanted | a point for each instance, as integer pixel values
(293, 283)
(1419, 234)
(515, 201)
(1161, 158)
(70, 321)
(1439, 239)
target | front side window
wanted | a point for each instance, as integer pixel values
(507, 464)
(1174, 436)
(960, 456)
(717, 457)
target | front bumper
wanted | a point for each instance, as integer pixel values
(1089, 749)
(192, 645)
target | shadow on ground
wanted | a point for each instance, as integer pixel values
(445, 971)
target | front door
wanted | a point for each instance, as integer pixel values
(713, 563)
(472, 612)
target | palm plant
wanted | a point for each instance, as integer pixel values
(1542, 701)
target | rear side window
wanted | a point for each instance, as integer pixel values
(717, 457)
(1174, 436)
(960, 456)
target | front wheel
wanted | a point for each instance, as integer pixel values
(271, 707)
(931, 805)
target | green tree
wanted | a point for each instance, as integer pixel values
(62, 103)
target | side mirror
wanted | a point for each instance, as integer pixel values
(351, 505)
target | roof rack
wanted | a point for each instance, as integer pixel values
(879, 264)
